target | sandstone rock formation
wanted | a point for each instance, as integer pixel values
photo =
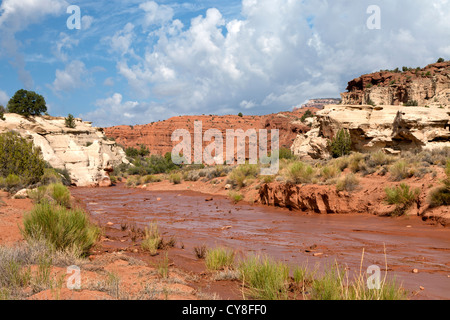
(394, 128)
(84, 151)
(429, 86)
(157, 136)
(320, 103)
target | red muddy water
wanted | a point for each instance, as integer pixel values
(296, 238)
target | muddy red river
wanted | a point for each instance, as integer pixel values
(406, 243)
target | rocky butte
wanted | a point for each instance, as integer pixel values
(389, 111)
(84, 151)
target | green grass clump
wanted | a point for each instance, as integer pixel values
(329, 172)
(299, 172)
(235, 196)
(402, 196)
(152, 239)
(149, 179)
(62, 229)
(219, 258)
(175, 178)
(348, 183)
(400, 170)
(11, 183)
(265, 278)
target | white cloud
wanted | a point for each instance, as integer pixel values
(64, 43)
(4, 98)
(86, 22)
(75, 75)
(17, 15)
(109, 82)
(279, 53)
(156, 14)
(113, 111)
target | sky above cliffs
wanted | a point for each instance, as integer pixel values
(135, 62)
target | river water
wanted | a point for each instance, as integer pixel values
(405, 243)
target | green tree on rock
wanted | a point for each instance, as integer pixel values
(27, 103)
(341, 144)
(70, 121)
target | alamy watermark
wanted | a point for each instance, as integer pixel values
(374, 20)
(74, 21)
(213, 153)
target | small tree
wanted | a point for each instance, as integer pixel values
(2, 112)
(341, 144)
(440, 60)
(240, 114)
(18, 156)
(27, 103)
(70, 121)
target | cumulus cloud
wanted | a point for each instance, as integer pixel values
(113, 110)
(156, 14)
(4, 98)
(75, 75)
(17, 15)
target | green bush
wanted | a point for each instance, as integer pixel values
(70, 121)
(299, 172)
(243, 174)
(307, 114)
(441, 195)
(61, 228)
(175, 178)
(152, 239)
(2, 112)
(11, 183)
(236, 197)
(27, 103)
(19, 157)
(341, 144)
(402, 196)
(440, 60)
(411, 103)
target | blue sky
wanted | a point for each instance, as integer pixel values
(135, 62)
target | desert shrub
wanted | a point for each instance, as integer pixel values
(307, 114)
(18, 156)
(149, 179)
(440, 60)
(175, 178)
(200, 252)
(39, 194)
(285, 153)
(219, 258)
(441, 195)
(402, 196)
(267, 179)
(356, 162)
(264, 278)
(299, 172)
(235, 196)
(241, 175)
(27, 103)
(70, 121)
(62, 229)
(329, 172)
(379, 158)
(133, 181)
(154, 164)
(348, 183)
(240, 114)
(11, 183)
(60, 194)
(341, 144)
(400, 170)
(2, 112)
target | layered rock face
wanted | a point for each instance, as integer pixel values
(429, 86)
(157, 136)
(84, 151)
(392, 128)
